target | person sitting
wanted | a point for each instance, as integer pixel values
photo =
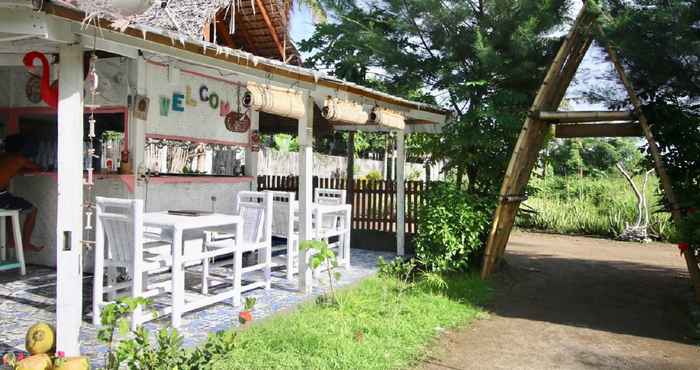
(12, 163)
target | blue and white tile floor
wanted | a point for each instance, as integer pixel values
(32, 298)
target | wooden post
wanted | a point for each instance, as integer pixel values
(690, 259)
(350, 172)
(306, 125)
(400, 193)
(137, 128)
(69, 224)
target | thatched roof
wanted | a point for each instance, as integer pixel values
(192, 18)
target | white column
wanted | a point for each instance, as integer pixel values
(400, 193)
(306, 125)
(69, 223)
(137, 127)
(251, 157)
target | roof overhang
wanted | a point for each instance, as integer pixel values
(63, 25)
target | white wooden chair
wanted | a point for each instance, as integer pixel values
(19, 248)
(332, 225)
(285, 224)
(122, 243)
(256, 210)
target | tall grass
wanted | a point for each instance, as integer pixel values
(600, 206)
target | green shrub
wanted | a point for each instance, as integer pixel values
(452, 228)
(374, 175)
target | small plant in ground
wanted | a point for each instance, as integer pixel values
(324, 256)
(114, 320)
(246, 315)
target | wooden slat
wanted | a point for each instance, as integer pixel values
(584, 116)
(628, 129)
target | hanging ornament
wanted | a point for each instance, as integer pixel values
(49, 91)
(237, 122)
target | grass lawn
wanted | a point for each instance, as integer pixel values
(377, 325)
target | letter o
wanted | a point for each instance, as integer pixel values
(214, 101)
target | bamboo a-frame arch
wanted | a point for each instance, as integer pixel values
(543, 114)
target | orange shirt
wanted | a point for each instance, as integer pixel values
(11, 164)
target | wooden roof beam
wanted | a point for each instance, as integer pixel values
(626, 129)
(223, 32)
(588, 116)
(271, 28)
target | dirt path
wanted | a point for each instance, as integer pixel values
(579, 303)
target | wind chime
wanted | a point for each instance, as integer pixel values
(91, 83)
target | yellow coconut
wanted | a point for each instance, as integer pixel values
(74, 363)
(41, 338)
(41, 361)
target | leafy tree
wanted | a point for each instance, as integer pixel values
(659, 46)
(482, 59)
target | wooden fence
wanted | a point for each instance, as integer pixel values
(373, 203)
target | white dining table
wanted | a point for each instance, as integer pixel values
(178, 224)
(320, 210)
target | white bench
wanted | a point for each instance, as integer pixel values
(17, 232)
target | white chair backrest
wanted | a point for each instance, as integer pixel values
(283, 213)
(121, 222)
(329, 196)
(256, 209)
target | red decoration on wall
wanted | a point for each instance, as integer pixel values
(254, 141)
(49, 91)
(237, 122)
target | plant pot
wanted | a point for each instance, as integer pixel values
(245, 317)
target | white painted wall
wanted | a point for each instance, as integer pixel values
(200, 121)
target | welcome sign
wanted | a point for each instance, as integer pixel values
(178, 101)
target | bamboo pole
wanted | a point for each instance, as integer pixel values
(584, 116)
(690, 259)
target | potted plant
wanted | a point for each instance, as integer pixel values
(246, 315)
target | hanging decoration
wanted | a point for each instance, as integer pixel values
(141, 107)
(255, 141)
(274, 100)
(49, 90)
(343, 112)
(387, 118)
(33, 89)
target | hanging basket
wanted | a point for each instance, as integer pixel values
(237, 122)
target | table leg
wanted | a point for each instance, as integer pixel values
(3, 239)
(178, 280)
(19, 248)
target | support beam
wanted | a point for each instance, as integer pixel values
(350, 172)
(271, 28)
(306, 126)
(580, 117)
(223, 32)
(573, 130)
(69, 224)
(400, 193)
(532, 135)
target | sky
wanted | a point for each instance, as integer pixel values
(590, 73)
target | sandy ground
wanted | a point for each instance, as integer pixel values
(579, 303)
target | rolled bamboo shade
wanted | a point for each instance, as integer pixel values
(274, 100)
(387, 118)
(344, 112)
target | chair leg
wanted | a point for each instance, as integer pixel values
(19, 248)
(237, 277)
(290, 259)
(205, 276)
